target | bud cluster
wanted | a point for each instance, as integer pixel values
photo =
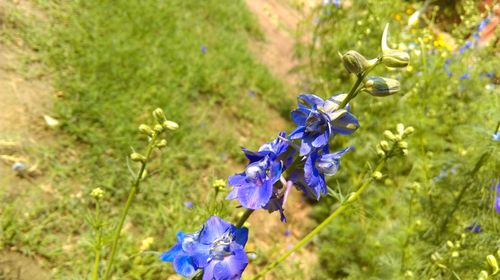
(394, 145)
(162, 123)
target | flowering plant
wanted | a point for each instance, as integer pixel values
(302, 159)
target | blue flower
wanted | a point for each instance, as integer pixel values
(217, 249)
(496, 136)
(474, 228)
(254, 188)
(311, 180)
(317, 120)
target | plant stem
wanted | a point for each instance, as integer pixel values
(354, 90)
(245, 217)
(98, 246)
(321, 226)
(480, 162)
(133, 190)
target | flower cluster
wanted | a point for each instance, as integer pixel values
(303, 158)
(217, 249)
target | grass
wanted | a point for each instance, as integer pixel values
(114, 62)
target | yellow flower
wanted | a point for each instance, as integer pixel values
(146, 243)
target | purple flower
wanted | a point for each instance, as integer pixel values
(217, 249)
(203, 48)
(254, 188)
(188, 204)
(311, 180)
(18, 166)
(318, 119)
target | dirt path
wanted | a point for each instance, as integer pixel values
(24, 99)
(278, 21)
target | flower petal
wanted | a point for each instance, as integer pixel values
(208, 271)
(299, 116)
(346, 124)
(183, 265)
(311, 99)
(306, 145)
(232, 266)
(169, 255)
(240, 235)
(297, 132)
(214, 228)
(255, 197)
(321, 140)
(237, 180)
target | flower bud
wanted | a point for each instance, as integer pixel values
(396, 59)
(492, 261)
(405, 152)
(400, 128)
(159, 115)
(483, 275)
(137, 157)
(379, 86)
(145, 129)
(97, 193)
(455, 254)
(384, 145)
(158, 128)
(380, 152)
(389, 135)
(162, 143)
(355, 63)
(450, 244)
(352, 197)
(409, 130)
(391, 57)
(403, 145)
(377, 175)
(170, 125)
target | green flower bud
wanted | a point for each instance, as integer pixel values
(97, 193)
(170, 125)
(391, 57)
(137, 157)
(379, 86)
(158, 128)
(356, 63)
(483, 275)
(403, 145)
(159, 115)
(384, 145)
(404, 152)
(377, 175)
(380, 152)
(455, 254)
(396, 59)
(400, 128)
(145, 129)
(450, 244)
(409, 130)
(162, 143)
(492, 261)
(352, 197)
(389, 135)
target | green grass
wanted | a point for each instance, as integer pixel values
(115, 61)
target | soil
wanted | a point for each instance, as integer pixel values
(25, 98)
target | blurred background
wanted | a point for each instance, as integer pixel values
(78, 77)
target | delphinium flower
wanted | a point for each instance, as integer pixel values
(318, 119)
(255, 187)
(217, 249)
(311, 179)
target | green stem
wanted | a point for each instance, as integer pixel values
(98, 246)
(245, 217)
(321, 226)
(133, 190)
(456, 204)
(354, 90)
